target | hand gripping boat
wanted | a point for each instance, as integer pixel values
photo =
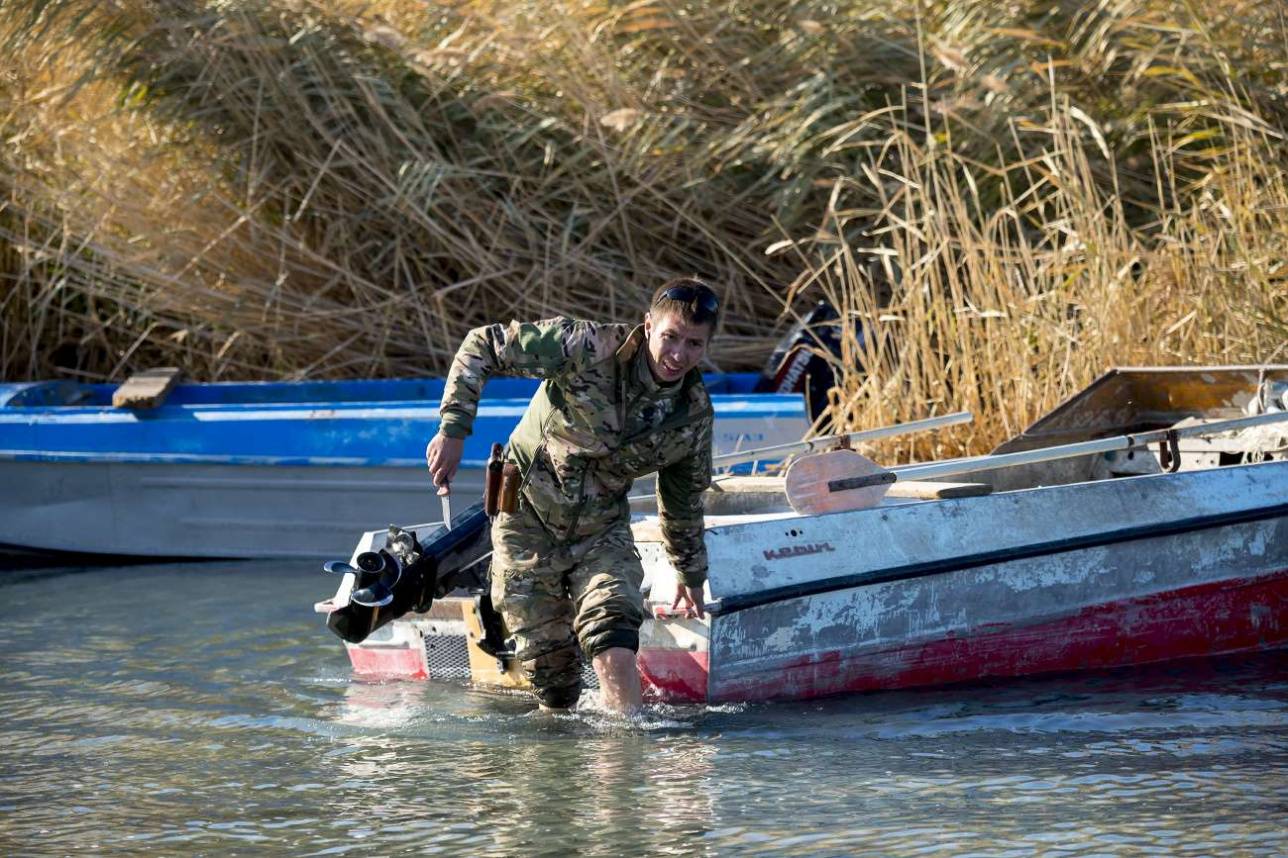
(1143, 520)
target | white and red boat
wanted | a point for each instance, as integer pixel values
(1075, 546)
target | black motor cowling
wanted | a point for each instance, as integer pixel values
(800, 362)
(408, 575)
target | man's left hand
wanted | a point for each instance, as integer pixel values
(690, 600)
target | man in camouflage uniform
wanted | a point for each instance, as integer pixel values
(615, 403)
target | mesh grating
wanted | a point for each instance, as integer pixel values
(447, 654)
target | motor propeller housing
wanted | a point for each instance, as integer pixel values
(388, 571)
(406, 575)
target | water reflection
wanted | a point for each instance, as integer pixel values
(160, 711)
(491, 766)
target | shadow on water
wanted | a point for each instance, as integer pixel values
(21, 564)
(202, 708)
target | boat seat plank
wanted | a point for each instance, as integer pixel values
(736, 495)
(146, 389)
(926, 490)
(738, 484)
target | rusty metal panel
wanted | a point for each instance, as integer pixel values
(1133, 399)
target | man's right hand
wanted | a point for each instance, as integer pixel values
(443, 455)
(689, 600)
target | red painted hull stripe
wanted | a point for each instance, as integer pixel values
(405, 663)
(1246, 615)
(674, 675)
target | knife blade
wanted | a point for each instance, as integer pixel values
(447, 509)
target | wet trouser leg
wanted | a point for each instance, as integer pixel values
(557, 598)
(529, 591)
(605, 588)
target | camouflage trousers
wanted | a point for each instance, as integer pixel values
(561, 600)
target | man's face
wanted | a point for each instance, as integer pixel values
(674, 345)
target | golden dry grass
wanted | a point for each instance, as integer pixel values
(1006, 315)
(1013, 196)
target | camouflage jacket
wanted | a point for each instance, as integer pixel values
(598, 421)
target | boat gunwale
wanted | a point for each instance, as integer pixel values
(134, 437)
(344, 392)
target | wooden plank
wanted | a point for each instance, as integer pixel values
(484, 669)
(736, 495)
(757, 483)
(146, 389)
(926, 490)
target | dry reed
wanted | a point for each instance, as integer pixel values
(1007, 314)
(1011, 196)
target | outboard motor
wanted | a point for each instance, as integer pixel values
(798, 365)
(407, 575)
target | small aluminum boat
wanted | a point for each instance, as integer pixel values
(1087, 549)
(270, 469)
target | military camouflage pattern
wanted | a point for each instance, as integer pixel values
(555, 598)
(598, 421)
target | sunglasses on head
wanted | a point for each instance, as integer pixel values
(700, 296)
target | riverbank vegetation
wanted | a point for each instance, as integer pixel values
(1011, 196)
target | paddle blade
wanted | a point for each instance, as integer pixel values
(836, 481)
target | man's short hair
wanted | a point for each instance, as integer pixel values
(689, 298)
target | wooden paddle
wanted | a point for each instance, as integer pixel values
(842, 480)
(836, 481)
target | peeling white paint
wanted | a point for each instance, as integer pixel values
(886, 537)
(1015, 593)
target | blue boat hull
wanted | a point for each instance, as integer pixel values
(266, 470)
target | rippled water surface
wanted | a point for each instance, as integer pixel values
(203, 709)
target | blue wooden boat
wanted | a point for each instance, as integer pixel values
(266, 469)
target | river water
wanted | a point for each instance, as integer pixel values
(203, 709)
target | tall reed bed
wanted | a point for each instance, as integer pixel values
(1006, 310)
(1012, 196)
